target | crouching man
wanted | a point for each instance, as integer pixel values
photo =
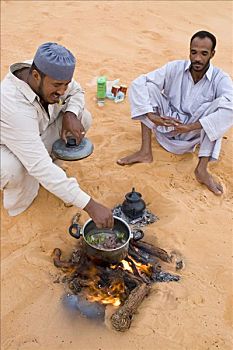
(40, 103)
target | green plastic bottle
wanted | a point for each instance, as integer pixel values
(101, 90)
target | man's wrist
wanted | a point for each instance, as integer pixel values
(72, 115)
(153, 117)
(151, 114)
(89, 205)
(196, 126)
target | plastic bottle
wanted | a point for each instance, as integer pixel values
(101, 90)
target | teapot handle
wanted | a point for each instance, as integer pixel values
(75, 231)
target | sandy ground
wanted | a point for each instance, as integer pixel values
(122, 40)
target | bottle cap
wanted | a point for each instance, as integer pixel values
(101, 80)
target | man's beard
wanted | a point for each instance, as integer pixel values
(40, 91)
(202, 67)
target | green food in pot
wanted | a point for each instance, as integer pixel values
(106, 240)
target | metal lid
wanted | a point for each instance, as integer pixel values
(71, 151)
(133, 196)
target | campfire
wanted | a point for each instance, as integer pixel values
(124, 284)
(115, 266)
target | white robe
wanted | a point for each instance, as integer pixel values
(170, 91)
(27, 135)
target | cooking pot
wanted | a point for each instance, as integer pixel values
(100, 255)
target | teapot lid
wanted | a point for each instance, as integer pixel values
(72, 151)
(133, 196)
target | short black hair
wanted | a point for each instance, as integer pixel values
(204, 34)
(33, 66)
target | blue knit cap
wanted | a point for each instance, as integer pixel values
(55, 61)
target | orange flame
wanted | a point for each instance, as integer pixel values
(108, 295)
(126, 266)
(114, 293)
(144, 268)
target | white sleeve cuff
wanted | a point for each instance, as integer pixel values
(137, 112)
(81, 200)
(210, 131)
(74, 109)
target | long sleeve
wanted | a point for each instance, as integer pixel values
(20, 133)
(219, 118)
(75, 99)
(139, 94)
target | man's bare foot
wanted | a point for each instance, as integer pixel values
(206, 179)
(137, 157)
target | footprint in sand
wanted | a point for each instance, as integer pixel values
(45, 13)
(151, 34)
(59, 38)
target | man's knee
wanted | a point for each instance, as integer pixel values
(158, 101)
(86, 119)
(12, 170)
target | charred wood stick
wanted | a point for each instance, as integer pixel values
(136, 256)
(131, 281)
(136, 271)
(156, 267)
(147, 257)
(83, 264)
(75, 286)
(133, 266)
(121, 319)
(83, 283)
(56, 254)
(155, 251)
(160, 276)
(76, 255)
(129, 276)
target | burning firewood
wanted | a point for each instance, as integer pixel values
(121, 319)
(124, 284)
(152, 250)
(58, 262)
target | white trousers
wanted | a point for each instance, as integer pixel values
(182, 143)
(20, 188)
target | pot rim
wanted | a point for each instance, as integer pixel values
(108, 250)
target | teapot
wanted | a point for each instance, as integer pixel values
(133, 205)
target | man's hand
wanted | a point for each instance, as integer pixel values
(72, 125)
(102, 216)
(163, 121)
(183, 128)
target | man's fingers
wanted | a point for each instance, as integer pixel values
(167, 124)
(77, 134)
(107, 222)
(172, 120)
(111, 222)
(63, 135)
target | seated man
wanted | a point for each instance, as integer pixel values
(184, 103)
(40, 102)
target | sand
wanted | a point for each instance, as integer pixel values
(122, 40)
